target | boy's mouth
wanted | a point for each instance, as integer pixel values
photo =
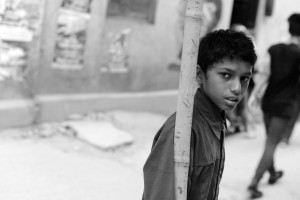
(233, 99)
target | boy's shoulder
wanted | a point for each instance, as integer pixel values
(170, 122)
(167, 129)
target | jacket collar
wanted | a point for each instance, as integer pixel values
(210, 112)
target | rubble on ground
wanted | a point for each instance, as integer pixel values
(96, 128)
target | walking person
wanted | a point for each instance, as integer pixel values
(225, 65)
(279, 102)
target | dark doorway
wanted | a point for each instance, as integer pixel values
(135, 9)
(244, 12)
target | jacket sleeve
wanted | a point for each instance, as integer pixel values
(159, 167)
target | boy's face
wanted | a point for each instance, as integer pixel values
(226, 82)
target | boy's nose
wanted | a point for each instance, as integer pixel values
(236, 86)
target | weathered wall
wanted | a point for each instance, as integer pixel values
(275, 28)
(151, 48)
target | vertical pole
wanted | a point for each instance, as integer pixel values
(187, 86)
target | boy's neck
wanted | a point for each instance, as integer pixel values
(220, 111)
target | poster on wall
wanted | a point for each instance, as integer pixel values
(13, 22)
(19, 22)
(72, 22)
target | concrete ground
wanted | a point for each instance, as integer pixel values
(63, 167)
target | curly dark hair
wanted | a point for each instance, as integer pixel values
(220, 44)
(294, 24)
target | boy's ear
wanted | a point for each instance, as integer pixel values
(199, 75)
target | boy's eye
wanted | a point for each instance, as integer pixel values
(245, 78)
(225, 75)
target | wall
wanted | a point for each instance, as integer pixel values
(151, 48)
(275, 28)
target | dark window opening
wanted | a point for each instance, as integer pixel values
(244, 12)
(137, 9)
(269, 7)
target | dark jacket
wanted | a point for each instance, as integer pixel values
(206, 155)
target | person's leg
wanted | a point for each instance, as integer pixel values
(291, 125)
(255, 193)
(275, 127)
(267, 120)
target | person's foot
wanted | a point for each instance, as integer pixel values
(274, 177)
(254, 192)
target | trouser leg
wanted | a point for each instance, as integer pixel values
(292, 123)
(275, 127)
(267, 120)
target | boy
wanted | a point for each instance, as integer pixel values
(225, 64)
